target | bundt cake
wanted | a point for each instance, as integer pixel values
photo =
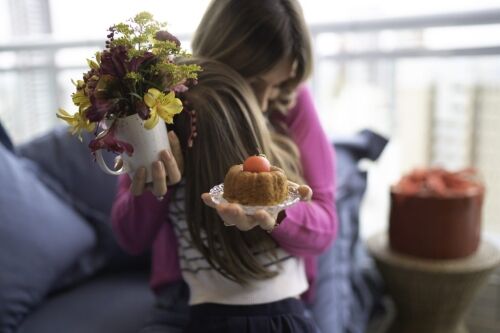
(436, 214)
(255, 183)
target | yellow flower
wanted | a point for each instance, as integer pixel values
(79, 84)
(78, 122)
(92, 64)
(165, 106)
(81, 100)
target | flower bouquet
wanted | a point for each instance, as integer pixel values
(130, 91)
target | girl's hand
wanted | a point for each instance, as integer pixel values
(233, 215)
(166, 171)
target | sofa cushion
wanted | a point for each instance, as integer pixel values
(117, 303)
(348, 286)
(41, 237)
(71, 172)
(69, 162)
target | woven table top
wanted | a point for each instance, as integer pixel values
(486, 257)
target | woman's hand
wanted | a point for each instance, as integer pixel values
(166, 171)
(233, 215)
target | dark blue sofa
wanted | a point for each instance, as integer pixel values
(62, 271)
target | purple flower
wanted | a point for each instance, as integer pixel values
(180, 88)
(114, 61)
(191, 83)
(109, 142)
(137, 62)
(167, 36)
(142, 110)
(99, 109)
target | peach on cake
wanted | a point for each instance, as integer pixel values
(255, 183)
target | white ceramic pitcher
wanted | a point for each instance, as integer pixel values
(147, 145)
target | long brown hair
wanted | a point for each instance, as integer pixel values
(230, 127)
(252, 37)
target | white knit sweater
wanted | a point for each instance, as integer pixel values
(209, 286)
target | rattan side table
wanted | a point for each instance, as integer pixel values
(432, 296)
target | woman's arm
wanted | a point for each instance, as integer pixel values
(136, 219)
(309, 227)
(137, 214)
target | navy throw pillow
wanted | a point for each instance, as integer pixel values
(72, 173)
(41, 238)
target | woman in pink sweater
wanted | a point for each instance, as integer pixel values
(267, 43)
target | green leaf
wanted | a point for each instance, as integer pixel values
(139, 97)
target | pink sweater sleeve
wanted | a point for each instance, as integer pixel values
(136, 219)
(310, 227)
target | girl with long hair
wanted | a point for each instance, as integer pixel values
(242, 277)
(267, 43)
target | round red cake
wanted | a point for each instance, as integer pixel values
(436, 214)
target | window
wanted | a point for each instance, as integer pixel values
(424, 74)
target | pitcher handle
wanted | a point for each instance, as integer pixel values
(105, 168)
